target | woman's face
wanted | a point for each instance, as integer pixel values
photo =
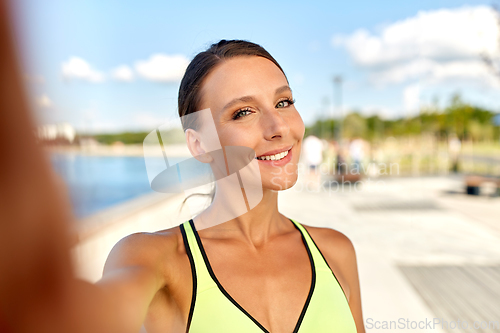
(252, 106)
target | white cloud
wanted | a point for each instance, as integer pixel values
(44, 101)
(123, 73)
(411, 98)
(77, 68)
(433, 71)
(159, 68)
(433, 45)
(162, 68)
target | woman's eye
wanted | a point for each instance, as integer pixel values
(285, 103)
(238, 114)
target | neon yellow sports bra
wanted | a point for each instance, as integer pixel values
(214, 310)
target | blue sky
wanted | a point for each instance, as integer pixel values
(393, 56)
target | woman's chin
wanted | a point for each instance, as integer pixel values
(280, 184)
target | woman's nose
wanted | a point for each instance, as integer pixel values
(275, 124)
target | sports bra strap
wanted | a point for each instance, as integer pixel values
(318, 258)
(204, 280)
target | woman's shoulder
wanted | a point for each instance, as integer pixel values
(157, 241)
(331, 240)
(339, 254)
(156, 250)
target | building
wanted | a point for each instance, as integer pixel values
(62, 133)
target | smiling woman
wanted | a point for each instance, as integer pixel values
(230, 270)
(255, 272)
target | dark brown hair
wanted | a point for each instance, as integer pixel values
(203, 63)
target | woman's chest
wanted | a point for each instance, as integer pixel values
(270, 284)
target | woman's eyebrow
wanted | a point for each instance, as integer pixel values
(282, 89)
(246, 99)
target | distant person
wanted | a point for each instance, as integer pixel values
(313, 157)
(454, 148)
(313, 152)
(356, 152)
(341, 161)
(376, 157)
(182, 279)
(331, 153)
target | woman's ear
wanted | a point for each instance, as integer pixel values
(196, 147)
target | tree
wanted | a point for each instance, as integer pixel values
(354, 125)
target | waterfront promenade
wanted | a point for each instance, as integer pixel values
(425, 250)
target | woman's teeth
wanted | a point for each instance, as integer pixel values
(276, 157)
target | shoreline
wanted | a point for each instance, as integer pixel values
(172, 150)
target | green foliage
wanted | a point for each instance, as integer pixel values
(374, 128)
(466, 121)
(169, 137)
(322, 129)
(354, 125)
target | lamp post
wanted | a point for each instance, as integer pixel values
(324, 118)
(337, 95)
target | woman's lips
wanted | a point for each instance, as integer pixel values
(281, 162)
(277, 151)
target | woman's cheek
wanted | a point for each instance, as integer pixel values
(301, 128)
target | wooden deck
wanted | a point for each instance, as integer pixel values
(466, 293)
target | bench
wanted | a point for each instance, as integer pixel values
(473, 184)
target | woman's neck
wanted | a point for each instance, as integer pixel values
(228, 216)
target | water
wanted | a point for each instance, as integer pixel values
(98, 182)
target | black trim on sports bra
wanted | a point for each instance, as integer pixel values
(326, 262)
(313, 280)
(221, 288)
(193, 276)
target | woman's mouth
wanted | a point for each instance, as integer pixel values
(276, 159)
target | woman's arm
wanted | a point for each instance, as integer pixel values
(350, 272)
(132, 276)
(116, 304)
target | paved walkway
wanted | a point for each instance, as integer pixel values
(402, 228)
